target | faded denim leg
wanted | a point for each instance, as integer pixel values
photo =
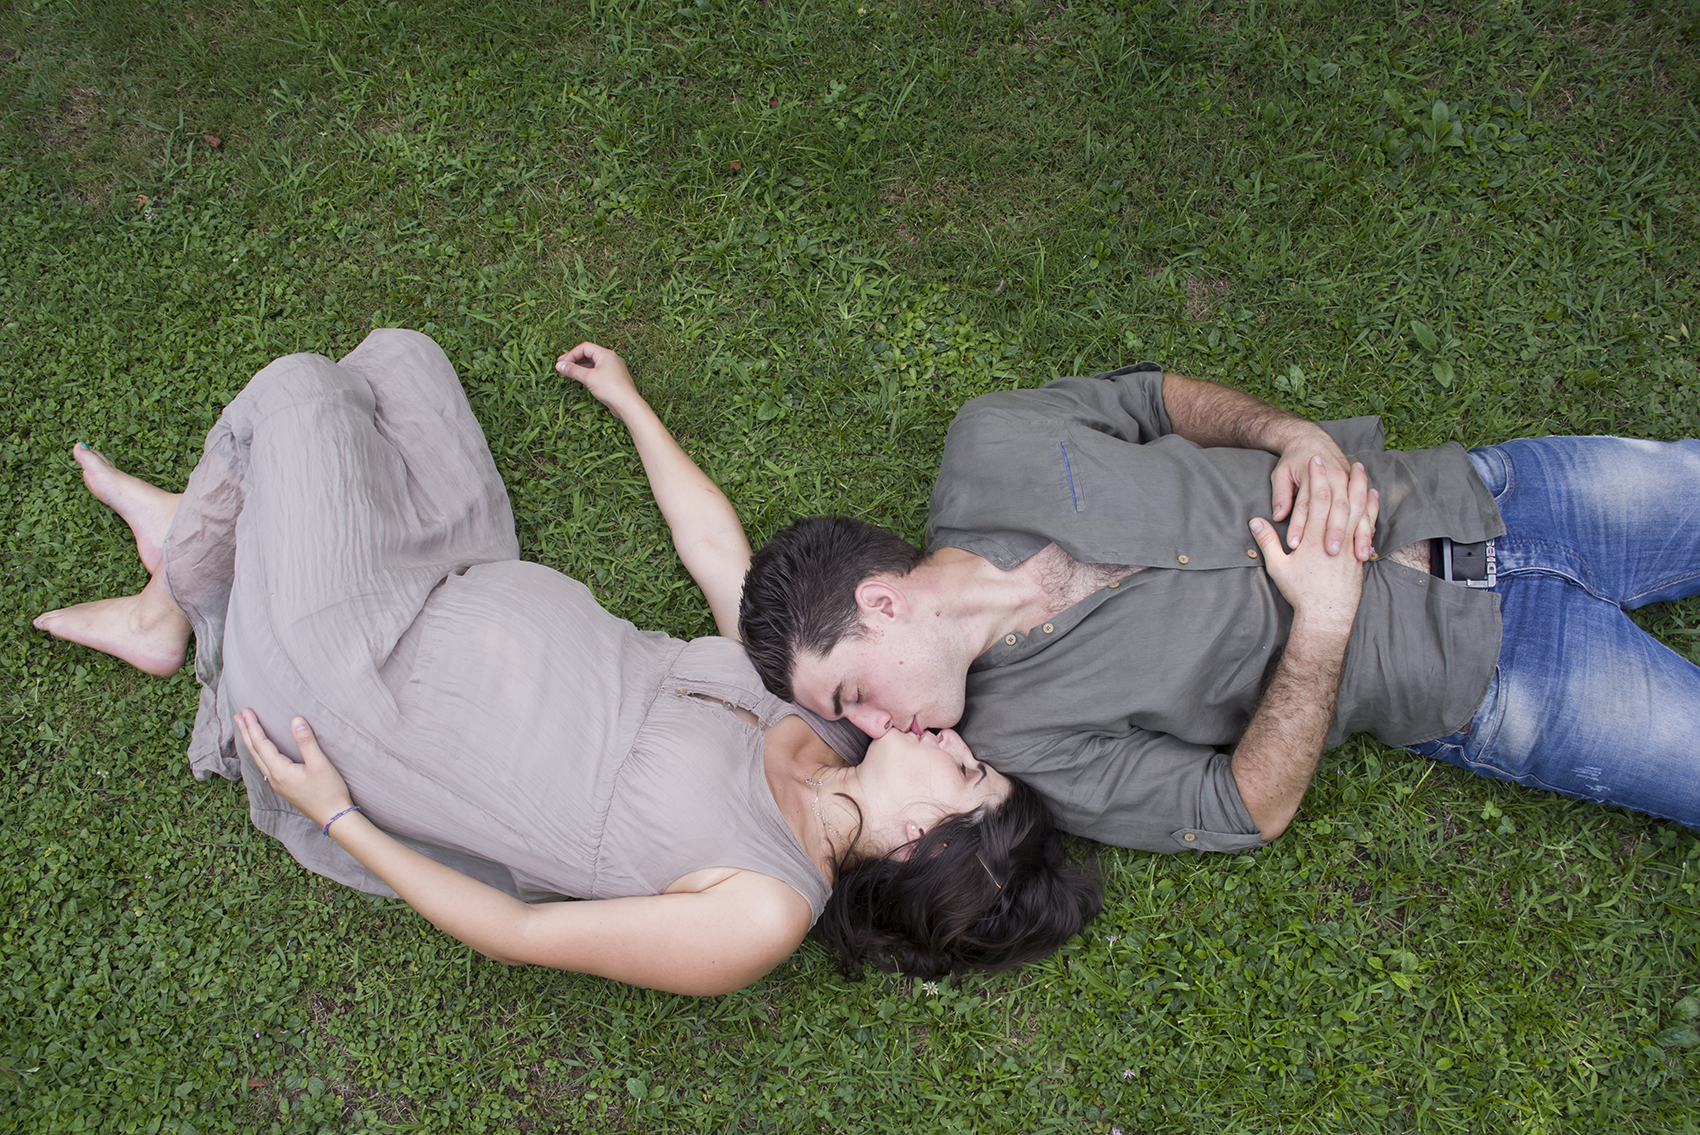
(1583, 702)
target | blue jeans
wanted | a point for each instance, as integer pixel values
(1583, 701)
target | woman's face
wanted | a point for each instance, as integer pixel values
(911, 782)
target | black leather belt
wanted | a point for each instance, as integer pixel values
(1473, 565)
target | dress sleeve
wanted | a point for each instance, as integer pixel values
(1143, 790)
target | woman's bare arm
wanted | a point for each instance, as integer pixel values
(706, 529)
(703, 943)
(708, 942)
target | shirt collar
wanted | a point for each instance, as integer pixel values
(1018, 645)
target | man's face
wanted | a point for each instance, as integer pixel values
(896, 677)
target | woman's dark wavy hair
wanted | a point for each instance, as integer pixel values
(987, 890)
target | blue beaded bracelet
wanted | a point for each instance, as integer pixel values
(340, 815)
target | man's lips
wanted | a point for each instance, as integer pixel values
(915, 726)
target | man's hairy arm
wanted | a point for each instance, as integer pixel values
(1276, 758)
(1219, 416)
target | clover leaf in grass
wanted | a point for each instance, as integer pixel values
(1678, 1036)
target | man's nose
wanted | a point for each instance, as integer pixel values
(873, 722)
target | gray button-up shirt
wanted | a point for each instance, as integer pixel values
(1117, 709)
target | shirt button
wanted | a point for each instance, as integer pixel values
(1182, 558)
(1252, 552)
(1049, 628)
(1010, 639)
(682, 690)
(1117, 583)
(1190, 836)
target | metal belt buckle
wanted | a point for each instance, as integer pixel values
(1473, 565)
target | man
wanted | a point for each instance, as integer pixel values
(1109, 617)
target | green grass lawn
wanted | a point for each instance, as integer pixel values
(814, 228)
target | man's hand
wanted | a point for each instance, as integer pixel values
(1290, 485)
(1314, 578)
(1212, 415)
(1276, 759)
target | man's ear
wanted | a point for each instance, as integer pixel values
(878, 599)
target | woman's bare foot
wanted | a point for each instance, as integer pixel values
(147, 509)
(147, 629)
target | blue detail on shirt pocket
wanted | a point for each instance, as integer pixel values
(1069, 471)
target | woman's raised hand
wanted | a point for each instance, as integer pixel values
(314, 786)
(706, 529)
(603, 373)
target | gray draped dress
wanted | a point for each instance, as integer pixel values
(345, 551)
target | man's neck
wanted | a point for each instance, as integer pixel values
(974, 598)
(987, 602)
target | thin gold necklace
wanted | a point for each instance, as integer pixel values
(815, 806)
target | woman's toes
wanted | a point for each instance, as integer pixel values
(91, 459)
(147, 509)
(97, 471)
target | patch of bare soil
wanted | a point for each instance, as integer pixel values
(1202, 295)
(69, 125)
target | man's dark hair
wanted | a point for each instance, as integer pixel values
(800, 593)
(989, 890)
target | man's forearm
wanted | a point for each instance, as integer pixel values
(1220, 416)
(1276, 759)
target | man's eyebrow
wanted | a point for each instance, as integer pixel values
(838, 701)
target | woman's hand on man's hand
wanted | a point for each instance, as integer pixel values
(603, 373)
(314, 787)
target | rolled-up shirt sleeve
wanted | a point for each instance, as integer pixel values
(1126, 404)
(1143, 790)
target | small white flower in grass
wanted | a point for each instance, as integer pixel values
(1113, 939)
(930, 988)
(1127, 1073)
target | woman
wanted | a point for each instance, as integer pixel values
(344, 551)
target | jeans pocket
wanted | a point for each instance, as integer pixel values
(1493, 468)
(1483, 729)
(1471, 747)
(1445, 749)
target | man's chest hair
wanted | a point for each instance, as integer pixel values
(1065, 581)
